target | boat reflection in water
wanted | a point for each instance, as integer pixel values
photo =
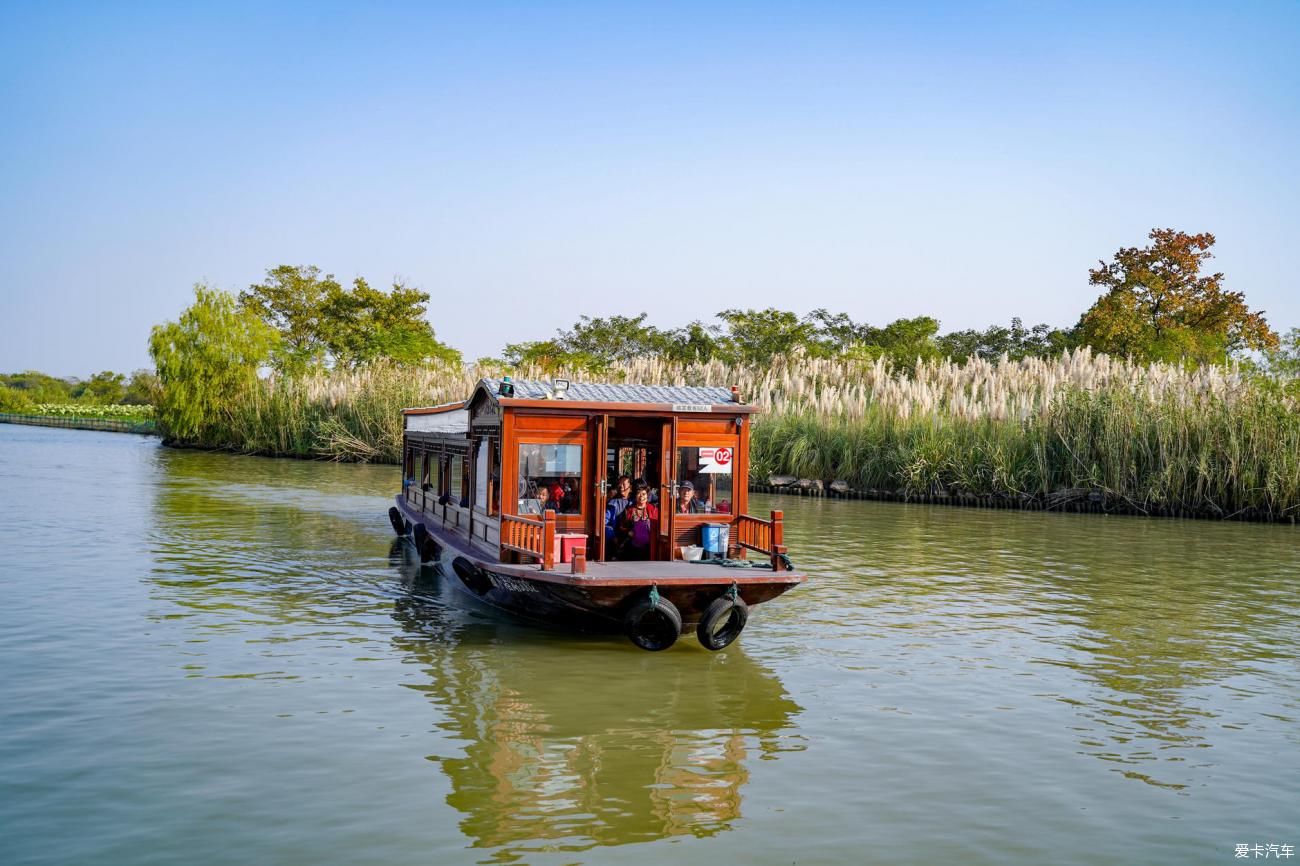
(570, 743)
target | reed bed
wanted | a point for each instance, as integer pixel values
(1146, 438)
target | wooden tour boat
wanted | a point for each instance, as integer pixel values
(510, 490)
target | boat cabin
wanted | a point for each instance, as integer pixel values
(523, 471)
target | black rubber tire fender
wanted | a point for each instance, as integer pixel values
(428, 549)
(400, 525)
(722, 623)
(653, 623)
(471, 575)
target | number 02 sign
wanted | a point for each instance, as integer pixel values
(716, 460)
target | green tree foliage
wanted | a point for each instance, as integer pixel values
(40, 387)
(16, 401)
(618, 338)
(692, 343)
(143, 389)
(549, 355)
(1016, 342)
(1158, 306)
(1283, 360)
(204, 359)
(837, 333)
(290, 301)
(101, 389)
(321, 323)
(362, 325)
(902, 341)
(758, 336)
(593, 344)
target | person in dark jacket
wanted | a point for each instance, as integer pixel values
(687, 503)
(614, 509)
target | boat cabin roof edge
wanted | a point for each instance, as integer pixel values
(607, 397)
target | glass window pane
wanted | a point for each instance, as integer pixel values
(704, 479)
(550, 476)
(456, 488)
(481, 476)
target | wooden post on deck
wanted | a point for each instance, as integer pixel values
(778, 541)
(580, 561)
(548, 539)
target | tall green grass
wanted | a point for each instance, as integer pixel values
(1156, 454)
(1150, 438)
(353, 416)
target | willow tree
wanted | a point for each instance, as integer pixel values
(1158, 305)
(204, 360)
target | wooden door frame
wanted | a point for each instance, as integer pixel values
(600, 482)
(667, 473)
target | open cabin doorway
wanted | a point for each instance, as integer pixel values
(634, 448)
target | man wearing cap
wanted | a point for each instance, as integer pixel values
(686, 501)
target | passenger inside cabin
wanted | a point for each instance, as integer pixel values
(636, 526)
(687, 502)
(571, 501)
(544, 500)
(614, 509)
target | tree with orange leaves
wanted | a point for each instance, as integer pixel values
(1159, 307)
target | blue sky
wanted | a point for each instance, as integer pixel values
(526, 162)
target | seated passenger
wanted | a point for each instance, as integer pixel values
(686, 501)
(614, 509)
(544, 500)
(571, 501)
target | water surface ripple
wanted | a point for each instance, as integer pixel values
(211, 659)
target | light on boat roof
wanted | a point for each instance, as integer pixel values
(559, 387)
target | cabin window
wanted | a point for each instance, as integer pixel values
(550, 477)
(408, 472)
(487, 472)
(457, 485)
(433, 475)
(464, 479)
(708, 470)
(494, 485)
(424, 472)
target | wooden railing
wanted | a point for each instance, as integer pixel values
(763, 536)
(530, 537)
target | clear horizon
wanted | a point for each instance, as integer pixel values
(527, 165)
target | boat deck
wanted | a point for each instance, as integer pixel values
(648, 572)
(614, 573)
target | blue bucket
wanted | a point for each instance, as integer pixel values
(714, 538)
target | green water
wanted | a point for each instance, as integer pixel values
(208, 659)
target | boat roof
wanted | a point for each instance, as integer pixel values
(604, 392)
(606, 395)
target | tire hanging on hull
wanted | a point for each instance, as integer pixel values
(653, 623)
(400, 526)
(723, 621)
(428, 548)
(472, 576)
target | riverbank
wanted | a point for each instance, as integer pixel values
(1066, 502)
(111, 425)
(1079, 432)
